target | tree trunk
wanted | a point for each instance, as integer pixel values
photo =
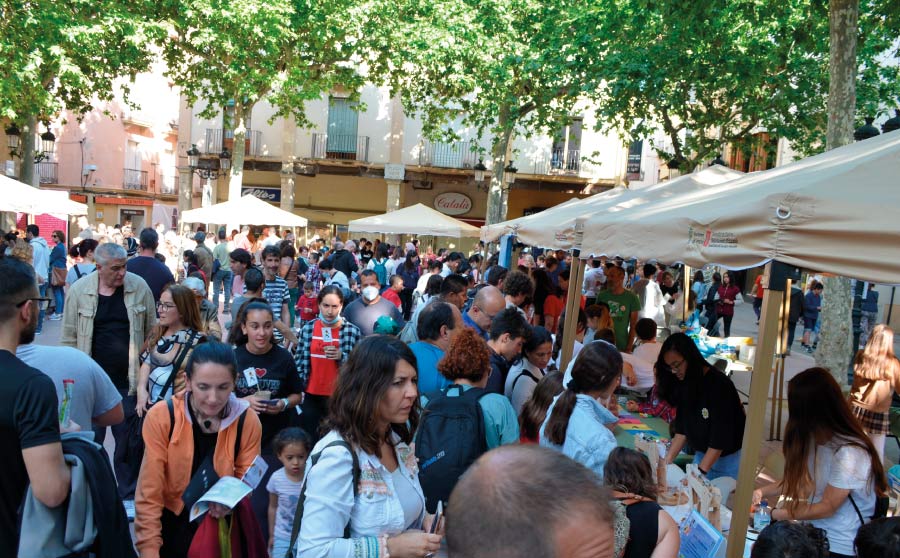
(237, 157)
(498, 194)
(835, 341)
(27, 172)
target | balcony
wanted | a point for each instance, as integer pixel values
(167, 183)
(47, 172)
(215, 142)
(559, 161)
(455, 155)
(340, 147)
(135, 179)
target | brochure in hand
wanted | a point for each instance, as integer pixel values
(228, 491)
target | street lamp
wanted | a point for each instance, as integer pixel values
(509, 174)
(12, 137)
(208, 169)
(892, 124)
(864, 132)
(480, 171)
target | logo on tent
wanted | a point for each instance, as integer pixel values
(707, 238)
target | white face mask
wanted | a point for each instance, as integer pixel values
(370, 293)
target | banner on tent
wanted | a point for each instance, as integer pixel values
(271, 195)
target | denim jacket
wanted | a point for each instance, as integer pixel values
(330, 503)
(588, 440)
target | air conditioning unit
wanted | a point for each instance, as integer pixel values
(422, 185)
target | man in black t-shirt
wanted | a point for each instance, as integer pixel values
(29, 428)
(152, 271)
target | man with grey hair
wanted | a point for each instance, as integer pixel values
(530, 501)
(108, 317)
(343, 260)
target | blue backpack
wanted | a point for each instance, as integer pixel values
(381, 272)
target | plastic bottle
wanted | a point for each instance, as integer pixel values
(762, 517)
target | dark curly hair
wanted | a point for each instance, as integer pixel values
(361, 385)
(467, 358)
(627, 470)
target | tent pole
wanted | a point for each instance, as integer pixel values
(753, 431)
(787, 313)
(685, 291)
(573, 302)
(780, 355)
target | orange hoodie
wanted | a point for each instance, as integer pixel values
(166, 469)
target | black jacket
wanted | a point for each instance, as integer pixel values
(113, 535)
(499, 370)
(797, 304)
(344, 261)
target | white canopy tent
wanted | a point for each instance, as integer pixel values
(249, 210)
(832, 212)
(19, 197)
(555, 227)
(415, 219)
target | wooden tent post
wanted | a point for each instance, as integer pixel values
(573, 303)
(756, 415)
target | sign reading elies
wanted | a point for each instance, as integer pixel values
(453, 203)
(272, 195)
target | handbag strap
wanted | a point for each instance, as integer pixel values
(298, 515)
(176, 364)
(855, 507)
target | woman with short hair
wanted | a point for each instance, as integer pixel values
(373, 415)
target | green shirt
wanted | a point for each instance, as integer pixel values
(620, 308)
(220, 252)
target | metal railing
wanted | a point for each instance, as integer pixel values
(168, 183)
(340, 147)
(215, 141)
(135, 179)
(559, 161)
(47, 172)
(455, 155)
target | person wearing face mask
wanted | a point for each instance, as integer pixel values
(267, 379)
(365, 311)
(325, 343)
(332, 276)
(578, 423)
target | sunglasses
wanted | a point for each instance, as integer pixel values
(34, 298)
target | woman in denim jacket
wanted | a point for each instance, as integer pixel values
(577, 424)
(375, 409)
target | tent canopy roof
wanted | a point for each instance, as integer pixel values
(833, 212)
(19, 197)
(555, 227)
(249, 210)
(415, 219)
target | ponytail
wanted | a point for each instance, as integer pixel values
(598, 365)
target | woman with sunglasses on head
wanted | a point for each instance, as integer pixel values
(833, 475)
(710, 415)
(169, 345)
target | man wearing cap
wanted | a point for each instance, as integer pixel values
(204, 255)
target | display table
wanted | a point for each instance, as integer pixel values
(631, 425)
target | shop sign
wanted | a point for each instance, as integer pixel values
(393, 171)
(272, 195)
(453, 203)
(633, 168)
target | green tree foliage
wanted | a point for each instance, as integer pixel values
(723, 68)
(286, 52)
(67, 55)
(499, 68)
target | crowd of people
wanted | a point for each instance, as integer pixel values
(397, 396)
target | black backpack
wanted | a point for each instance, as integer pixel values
(450, 437)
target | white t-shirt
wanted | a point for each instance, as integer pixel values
(847, 467)
(642, 360)
(519, 386)
(84, 268)
(288, 493)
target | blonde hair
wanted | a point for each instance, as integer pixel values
(22, 251)
(876, 361)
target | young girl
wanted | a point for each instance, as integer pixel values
(292, 447)
(534, 411)
(307, 305)
(876, 377)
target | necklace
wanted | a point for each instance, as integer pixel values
(207, 423)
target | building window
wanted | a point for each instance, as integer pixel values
(343, 128)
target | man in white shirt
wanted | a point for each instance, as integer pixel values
(594, 278)
(434, 267)
(652, 299)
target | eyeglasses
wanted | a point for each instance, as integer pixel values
(489, 316)
(34, 298)
(165, 306)
(676, 365)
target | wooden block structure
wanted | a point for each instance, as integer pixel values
(650, 447)
(706, 497)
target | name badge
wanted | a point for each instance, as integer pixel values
(326, 335)
(250, 377)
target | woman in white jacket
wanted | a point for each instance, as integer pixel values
(373, 415)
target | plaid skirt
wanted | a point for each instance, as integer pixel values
(872, 422)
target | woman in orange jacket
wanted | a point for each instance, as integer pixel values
(200, 427)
